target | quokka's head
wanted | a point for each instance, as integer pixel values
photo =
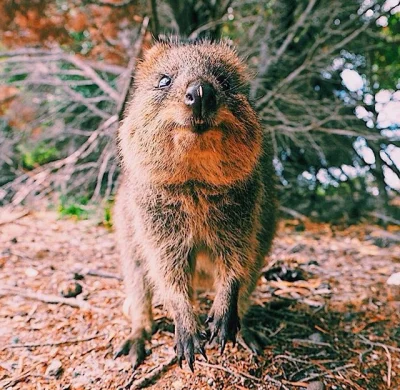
(190, 118)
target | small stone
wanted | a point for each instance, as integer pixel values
(210, 381)
(42, 253)
(393, 287)
(70, 289)
(55, 368)
(316, 385)
(316, 337)
(394, 279)
(298, 248)
(177, 385)
(31, 272)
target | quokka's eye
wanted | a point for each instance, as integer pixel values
(224, 82)
(165, 81)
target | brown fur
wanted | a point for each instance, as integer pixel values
(191, 202)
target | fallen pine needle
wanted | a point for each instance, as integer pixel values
(234, 373)
(103, 274)
(389, 365)
(305, 341)
(314, 376)
(296, 384)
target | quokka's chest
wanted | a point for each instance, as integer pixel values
(199, 218)
(190, 214)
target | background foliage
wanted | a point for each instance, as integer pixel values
(326, 88)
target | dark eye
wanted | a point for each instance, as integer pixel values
(165, 81)
(224, 82)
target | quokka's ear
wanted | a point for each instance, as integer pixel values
(156, 51)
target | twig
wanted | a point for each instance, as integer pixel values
(389, 365)
(38, 176)
(12, 217)
(127, 77)
(366, 341)
(13, 381)
(48, 298)
(234, 373)
(101, 274)
(291, 359)
(275, 381)
(53, 343)
(145, 380)
(296, 384)
(305, 341)
(275, 318)
(101, 173)
(89, 72)
(104, 3)
(291, 34)
(389, 356)
(20, 255)
(384, 217)
(154, 20)
(311, 377)
(293, 213)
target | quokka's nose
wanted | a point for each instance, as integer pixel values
(201, 97)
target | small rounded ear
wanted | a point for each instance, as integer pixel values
(155, 51)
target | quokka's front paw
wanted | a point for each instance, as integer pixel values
(133, 346)
(187, 344)
(223, 327)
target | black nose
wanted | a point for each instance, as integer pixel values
(201, 97)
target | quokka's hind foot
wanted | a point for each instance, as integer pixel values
(223, 319)
(223, 328)
(134, 347)
(252, 340)
(187, 344)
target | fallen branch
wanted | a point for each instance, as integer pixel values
(47, 298)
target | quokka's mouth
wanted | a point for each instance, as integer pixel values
(200, 125)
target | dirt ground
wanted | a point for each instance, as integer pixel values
(322, 308)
